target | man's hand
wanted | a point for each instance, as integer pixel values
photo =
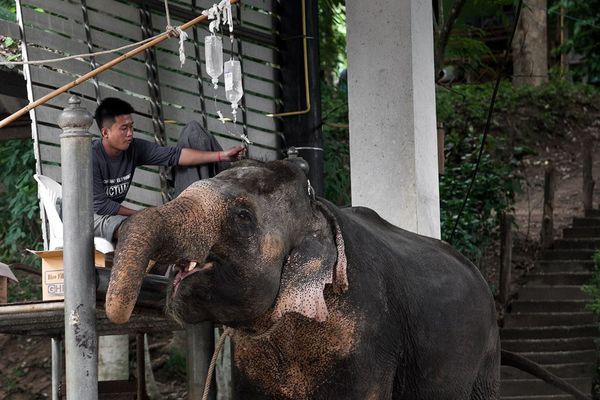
(233, 154)
(190, 157)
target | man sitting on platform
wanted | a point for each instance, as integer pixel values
(118, 153)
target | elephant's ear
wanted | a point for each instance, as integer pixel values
(320, 259)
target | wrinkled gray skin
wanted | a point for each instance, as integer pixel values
(406, 317)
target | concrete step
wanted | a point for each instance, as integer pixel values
(586, 221)
(522, 387)
(544, 345)
(574, 370)
(561, 357)
(581, 232)
(549, 332)
(514, 320)
(564, 266)
(546, 397)
(557, 292)
(577, 243)
(593, 213)
(539, 397)
(568, 254)
(559, 278)
(542, 306)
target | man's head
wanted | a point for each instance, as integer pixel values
(115, 122)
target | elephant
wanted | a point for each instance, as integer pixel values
(323, 302)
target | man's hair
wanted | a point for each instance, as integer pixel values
(109, 109)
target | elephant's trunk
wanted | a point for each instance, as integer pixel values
(137, 241)
(183, 229)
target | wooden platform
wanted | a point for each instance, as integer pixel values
(47, 318)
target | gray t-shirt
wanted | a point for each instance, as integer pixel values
(112, 176)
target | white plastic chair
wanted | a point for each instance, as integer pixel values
(51, 194)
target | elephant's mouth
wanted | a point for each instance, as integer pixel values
(186, 268)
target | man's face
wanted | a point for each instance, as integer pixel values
(120, 134)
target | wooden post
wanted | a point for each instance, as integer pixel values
(547, 234)
(5, 274)
(506, 222)
(140, 367)
(588, 179)
(3, 290)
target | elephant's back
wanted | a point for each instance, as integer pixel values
(366, 232)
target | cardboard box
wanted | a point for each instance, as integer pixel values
(53, 272)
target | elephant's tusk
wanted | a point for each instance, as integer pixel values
(192, 265)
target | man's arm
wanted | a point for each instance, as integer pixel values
(191, 157)
(126, 211)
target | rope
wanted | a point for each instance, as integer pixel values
(167, 13)
(213, 362)
(219, 347)
(169, 30)
(85, 55)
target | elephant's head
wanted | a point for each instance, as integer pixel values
(248, 243)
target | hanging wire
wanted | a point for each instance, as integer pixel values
(489, 118)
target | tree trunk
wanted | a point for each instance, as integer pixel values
(444, 25)
(530, 45)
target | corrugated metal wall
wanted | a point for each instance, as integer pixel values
(165, 95)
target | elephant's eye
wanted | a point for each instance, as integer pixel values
(244, 216)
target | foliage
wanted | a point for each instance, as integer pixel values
(332, 37)
(19, 211)
(467, 47)
(523, 118)
(176, 363)
(336, 144)
(493, 191)
(467, 52)
(8, 10)
(584, 36)
(9, 49)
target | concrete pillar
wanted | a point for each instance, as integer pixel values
(393, 140)
(530, 45)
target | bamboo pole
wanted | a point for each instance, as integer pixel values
(99, 70)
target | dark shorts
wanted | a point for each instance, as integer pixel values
(106, 225)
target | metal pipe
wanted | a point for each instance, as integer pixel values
(78, 234)
(306, 80)
(57, 367)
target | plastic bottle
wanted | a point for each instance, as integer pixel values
(213, 51)
(233, 84)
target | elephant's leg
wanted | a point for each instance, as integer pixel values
(486, 388)
(487, 384)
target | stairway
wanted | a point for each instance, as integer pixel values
(548, 323)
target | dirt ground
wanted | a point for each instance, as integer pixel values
(567, 157)
(25, 362)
